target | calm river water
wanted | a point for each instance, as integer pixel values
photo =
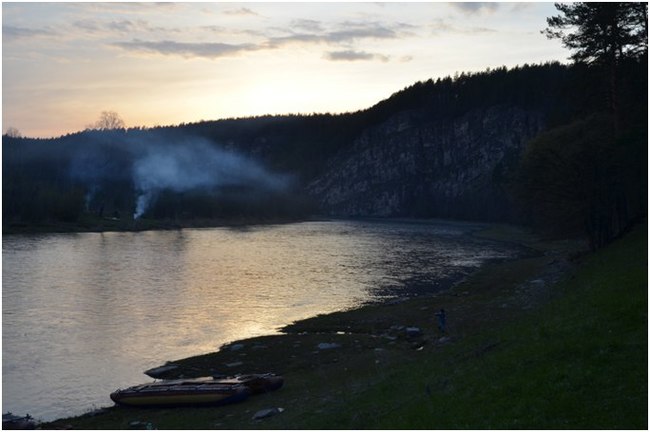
(85, 314)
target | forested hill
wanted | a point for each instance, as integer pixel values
(301, 143)
(452, 147)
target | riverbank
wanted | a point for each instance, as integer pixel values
(553, 341)
(90, 223)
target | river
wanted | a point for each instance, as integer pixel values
(86, 313)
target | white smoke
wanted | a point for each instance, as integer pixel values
(142, 203)
(193, 165)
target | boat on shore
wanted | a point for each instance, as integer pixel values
(197, 391)
(181, 392)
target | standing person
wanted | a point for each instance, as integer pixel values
(442, 320)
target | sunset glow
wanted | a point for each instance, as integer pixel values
(159, 64)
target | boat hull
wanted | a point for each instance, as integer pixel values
(197, 391)
(180, 395)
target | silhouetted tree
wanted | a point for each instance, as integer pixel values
(602, 34)
(13, 132)
(108, 120)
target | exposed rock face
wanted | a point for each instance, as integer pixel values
(411, 165)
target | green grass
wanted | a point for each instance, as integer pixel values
(578, 362)
(520, 355)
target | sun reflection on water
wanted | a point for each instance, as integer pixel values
(84, 314)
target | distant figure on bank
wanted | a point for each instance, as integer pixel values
(442, 320)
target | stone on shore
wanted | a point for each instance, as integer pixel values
(265, 413)
(326, 346)
(413, 331)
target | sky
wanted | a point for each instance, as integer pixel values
(170, 63)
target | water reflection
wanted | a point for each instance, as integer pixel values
(84, 314)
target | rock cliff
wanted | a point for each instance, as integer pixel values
(411, 165)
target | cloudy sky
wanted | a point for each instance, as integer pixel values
(168, 63)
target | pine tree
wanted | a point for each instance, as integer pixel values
(602, 34)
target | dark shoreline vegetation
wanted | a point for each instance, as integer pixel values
(552, 341)
(91, 223)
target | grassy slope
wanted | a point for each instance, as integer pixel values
(579, 362)
(520, 355)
